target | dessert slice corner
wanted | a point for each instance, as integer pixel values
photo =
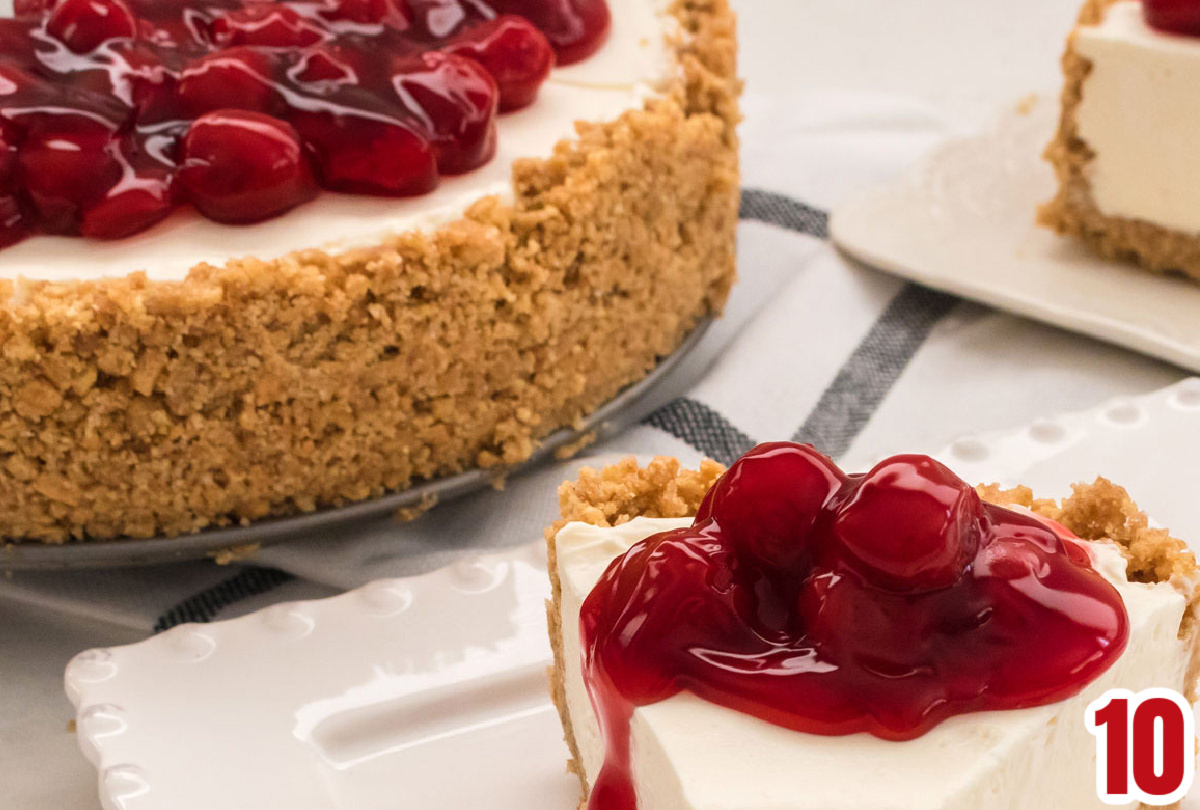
(610, 496)
(1073, 210)
(1100, 511)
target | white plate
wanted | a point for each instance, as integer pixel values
(963, 221)
(430, 692)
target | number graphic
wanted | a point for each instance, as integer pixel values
(1112, 747)
(1145, 746)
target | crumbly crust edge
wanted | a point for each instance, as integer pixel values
(1073, 211)
(1099, 511)
(107, 378)
(609, 497)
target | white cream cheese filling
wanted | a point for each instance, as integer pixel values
(634, 62)
(1140, 118)
(692, 755)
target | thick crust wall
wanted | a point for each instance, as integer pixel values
(135, 408)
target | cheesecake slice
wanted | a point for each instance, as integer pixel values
(689, 752)
(1123, 151)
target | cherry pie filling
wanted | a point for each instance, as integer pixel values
(833, 604)
(115, 112)
(1173, 16)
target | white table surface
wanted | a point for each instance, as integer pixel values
(945, 62)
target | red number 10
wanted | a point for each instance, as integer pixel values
(1145, 746)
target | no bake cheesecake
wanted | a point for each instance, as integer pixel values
(443, 250)
(786, 636)
(1124, 145)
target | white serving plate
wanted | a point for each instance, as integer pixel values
(430, 692)
(963, 221)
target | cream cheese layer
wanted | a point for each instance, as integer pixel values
(1140, 119)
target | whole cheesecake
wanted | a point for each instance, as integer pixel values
(1125, 137)
(361, 336)
(783, 635)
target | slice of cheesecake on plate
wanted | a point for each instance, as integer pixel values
(1124, 147)
(784, 635)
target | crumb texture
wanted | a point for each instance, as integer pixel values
(137, 408)
(618, 493)
(1102, 510)
(1073, 211)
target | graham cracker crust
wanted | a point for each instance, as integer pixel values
(136, 408)
(1099, 511)
(1073, 210)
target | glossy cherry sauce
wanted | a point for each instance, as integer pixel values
(1174, 16)
(115, 112)
(831, 604)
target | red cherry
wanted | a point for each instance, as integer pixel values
(26, 98)
(13, 80)
(8, 165)
(458, 98)
(710, 604)
(16, 45)
(576, 28)
(439, 19)
(1006, 558)
(1175, 16)
(83, 25)
(367, 153)
(31, 8)
(183, 35)
(517, 55)
(144, 195)
(1020, 542)
(140, 80)
(236, 78)
(911, 523)
(393, 13)
(14, 224)
(768, 502)
(177, 9)
(325, 65)
(66, 167)
(845, 619)
(242, 166)
(131, 207)
(268, 26)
